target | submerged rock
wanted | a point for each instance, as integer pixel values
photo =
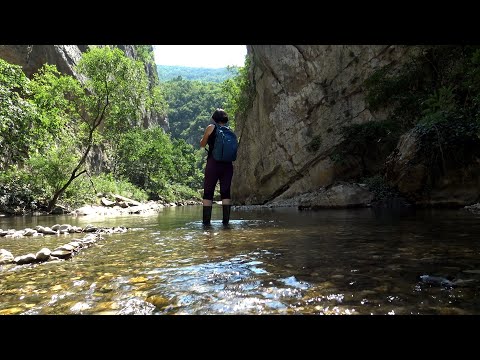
(441, 281)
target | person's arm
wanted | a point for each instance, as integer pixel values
(207, 133)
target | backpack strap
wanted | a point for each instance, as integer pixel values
(216, 129)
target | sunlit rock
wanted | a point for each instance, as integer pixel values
(25, 259)
(139, 279)
(158, 301)
(43, 254)
(6, 257)
(48, 231)
(85, 210)
(75, 229)
(76, 244)
(90, 228)
(11, 311)
(106, 202)
(65, 247)
(29, 232)
(59, 210)
(62, 254)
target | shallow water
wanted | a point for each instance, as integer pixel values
(267, 261)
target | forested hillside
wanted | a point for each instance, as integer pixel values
(167, 72)
(191, 103)
(190, 106)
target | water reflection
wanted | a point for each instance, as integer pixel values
(268, 261)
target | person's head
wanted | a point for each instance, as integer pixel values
(220, 116)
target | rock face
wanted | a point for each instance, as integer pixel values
(455, 185)
(32, 57)
(303, 96)
(338, 195)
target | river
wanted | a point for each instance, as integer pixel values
(267, 261)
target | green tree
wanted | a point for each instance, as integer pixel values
(150, 160)
(110, 101)
(145, 54)
(191, 104)
(238, 91)
(169, 72)
(18, 117)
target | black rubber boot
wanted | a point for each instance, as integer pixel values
(207, 215)
(226, 214)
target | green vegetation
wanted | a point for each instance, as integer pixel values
(20, 126)
(145, 54)
(367, 141)
(191, 104)
(436, 95)
(315, 144)
(150, 160)
(239, 91)
(441, 81)
(168, 72)
(50, 124)
(380, 189)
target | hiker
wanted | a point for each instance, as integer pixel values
(217, 170)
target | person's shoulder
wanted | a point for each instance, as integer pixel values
(209, 129)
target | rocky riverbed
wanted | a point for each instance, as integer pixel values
(60, 253)
(109, 205)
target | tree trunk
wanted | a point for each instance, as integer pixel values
(96, 123)
(59, 193)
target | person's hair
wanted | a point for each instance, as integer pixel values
(220, 116)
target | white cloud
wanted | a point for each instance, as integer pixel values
(206, 56)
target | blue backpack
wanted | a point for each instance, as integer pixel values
(226, 144)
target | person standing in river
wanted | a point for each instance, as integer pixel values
(216, 171)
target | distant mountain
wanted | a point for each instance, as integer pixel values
(169, 72)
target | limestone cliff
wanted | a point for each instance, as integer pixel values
(304, 94)
(292, 132)
(32, 57)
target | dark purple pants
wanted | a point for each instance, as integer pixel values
(214, 171)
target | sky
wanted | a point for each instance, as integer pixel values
(206, 56)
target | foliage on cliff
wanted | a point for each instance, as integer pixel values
(437, 95)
